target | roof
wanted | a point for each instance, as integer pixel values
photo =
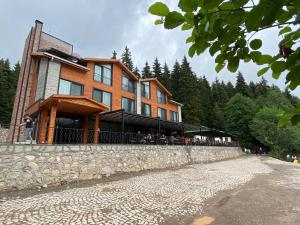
(70, 104)
(161, 86)
(140, 120)
(63, 57)
(116, 61)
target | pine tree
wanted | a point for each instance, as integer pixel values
(156, 69)
(230, 89)
(252, 90)
(188, 94)
(166, 77)
(126, 58)
(5, 85)
(262, 88)
(136, 71)
(206, 107)
(146, 72)
(241, 86)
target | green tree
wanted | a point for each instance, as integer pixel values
(156, 69)
(136, 71)
(238, 113)
(146, 72)
(5, 87)
(274, 99)
(228, 28)
(166, 77)
(241, 85)
(280, 140)
(126, 58)
(230, 89)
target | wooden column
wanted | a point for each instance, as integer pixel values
(85, 129)
(51, 128)
(43, 126)
(96, 128)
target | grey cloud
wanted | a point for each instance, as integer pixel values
(97, 27)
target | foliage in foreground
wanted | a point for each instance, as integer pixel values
(227, 29)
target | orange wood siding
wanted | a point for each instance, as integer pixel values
(154, 104)
(87, 79)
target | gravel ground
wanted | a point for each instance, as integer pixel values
(165, 197)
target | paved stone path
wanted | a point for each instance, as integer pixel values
(164, 197)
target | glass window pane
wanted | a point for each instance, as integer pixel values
(146, 109)
(97, 95)
(107, 74)
(76, 89)
(128, 105)
(161, 113)
(64, 87)
(97, 73)
(106, 98)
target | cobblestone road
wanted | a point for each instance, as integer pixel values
(150, 199)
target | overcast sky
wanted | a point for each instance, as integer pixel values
(97, 27)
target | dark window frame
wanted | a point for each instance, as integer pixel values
(176, 119)
(160, 98)
(142, 92)
(162, 109)
(130, 80)
(97, 89)
(134, 104)
(143, 103)
(102, 65)
(82, 86)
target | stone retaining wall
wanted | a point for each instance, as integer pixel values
(26, 166)
(3, 135)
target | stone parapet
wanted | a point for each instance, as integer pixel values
(33, 166)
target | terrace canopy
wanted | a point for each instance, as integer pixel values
(126, 118)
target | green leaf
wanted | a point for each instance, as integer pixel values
(220, 58)
(276, 75)
(159, 9)
(265, 59)
(192, 50)
(233, 64)
(173, 19)
(158, 21)
(296, 4)
(285, 30)
(254, 18)
(188, 5)
(186, 26)
(271, 11)
(295, 119)
(262, 71)
(190, 39)
(214, 48)
(278, 66)
(210, 4)
(239, 3)
(255, 44)
(219, 67)
(255, 56)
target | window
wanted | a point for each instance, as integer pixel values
(146, 109)
(70, 88)
(102, 96)
(162, 113)
(145, 89)
(103, 73)
(128, 105)
(161, 97)
(173, 116)
(127, 83)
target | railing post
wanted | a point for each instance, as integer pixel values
(123, 126)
